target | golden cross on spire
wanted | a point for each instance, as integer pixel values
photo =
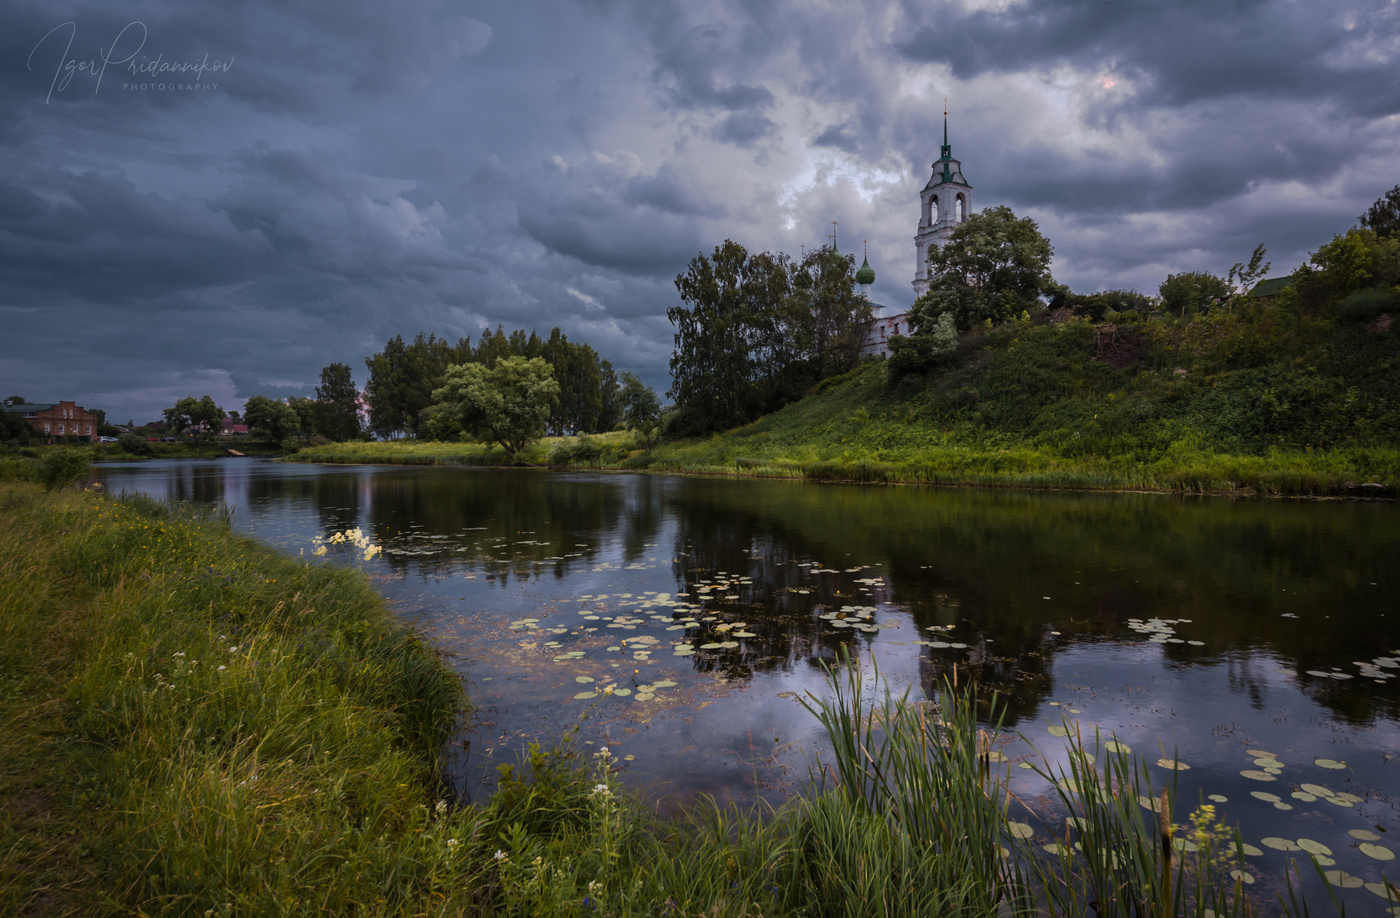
(833, 234)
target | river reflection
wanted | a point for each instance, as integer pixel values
(680, 619)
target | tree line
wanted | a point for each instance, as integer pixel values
(404, 377)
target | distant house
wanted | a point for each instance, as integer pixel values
(232, 429)
(52, 421)
(1271, 287)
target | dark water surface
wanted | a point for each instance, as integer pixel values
(679, 619)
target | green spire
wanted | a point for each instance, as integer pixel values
(866, 274)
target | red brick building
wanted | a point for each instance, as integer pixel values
(64, 419)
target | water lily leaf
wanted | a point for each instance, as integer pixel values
(1283, 806)
(1054, 848)
(1150, 803)
(1339, 801)
(1182, 844)
(1020, 829)
(684, 652)
(1343, 879)
(1250, 850)
(622, 691)
(583, 678)
(583, 695)
(1317, 790)
(1313, 847)
(1264, 795)
(713, 645)
(1115, 746)
(1268, 762)
(664, 683)
(1243, 877)
(728, 645)
(1306, 798)
(744, 634)
(1279, 844)
(1380, 889)
(1364, 834)
(1379, 852)
(1255, 775)
(645, 696)
(1218, 798)
(1173, 764)
(1058, 730)
(1330, 763)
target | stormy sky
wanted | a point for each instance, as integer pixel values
(223, 198)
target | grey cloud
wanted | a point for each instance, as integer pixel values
(838, 136)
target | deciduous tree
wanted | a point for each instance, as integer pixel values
(270, 420)
(994, 267)
(506, 404)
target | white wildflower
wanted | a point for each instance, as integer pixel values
(499, 855)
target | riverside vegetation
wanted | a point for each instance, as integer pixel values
(193, 724)
(1264, 398)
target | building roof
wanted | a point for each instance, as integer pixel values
(1271, 286)
(866, 274)
(30, 407)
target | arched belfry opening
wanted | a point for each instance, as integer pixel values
(947, 201)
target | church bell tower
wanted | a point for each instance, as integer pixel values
(944, 203)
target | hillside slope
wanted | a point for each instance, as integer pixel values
(1265, 400)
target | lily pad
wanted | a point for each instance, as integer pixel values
(585, 695)
(1256, 775)
(1379, 852)
(1306, 798)
(583, 678)
(1020, 830)
(1364, 835)
(1313, 847)
(1243, 877)
(622, 691)
(1264, 795)
(1279, 844)
(1250, 850)
(1115, 746)
(713, 645)
(1173, 764)
(1330, 763)
(1317, 790)
(1058, 730)
(1343, 879)
(1380, 889)
(1218, 798)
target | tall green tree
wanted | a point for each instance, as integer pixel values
(994, 267)
(402, 378)
(506, 404)
(641, 409)
(756, 331)
(1383, 217)
(339, 418)
(198, 416)
(270, 420)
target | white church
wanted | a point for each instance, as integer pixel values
(945, 202)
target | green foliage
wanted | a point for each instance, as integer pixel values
(271, 421)
(994, 267)
(1383, 217)
(14, 427)
(338, 416)
(754, 332)
(136, 446)
(508, 404)
(1192, 292)
(61, 466)
(1365, 305)
(195, 415)
(641, 409)
(228, 731)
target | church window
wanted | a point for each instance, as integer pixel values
(933, 209)
(958, 212)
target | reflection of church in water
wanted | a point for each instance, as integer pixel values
(944, 203)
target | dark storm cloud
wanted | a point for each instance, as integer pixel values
(1182, 52)
(368, 170)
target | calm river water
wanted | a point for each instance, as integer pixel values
(678, 620)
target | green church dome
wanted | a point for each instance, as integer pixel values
(866, 274)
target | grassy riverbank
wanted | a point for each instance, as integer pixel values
(192, 724)
(1263, 400)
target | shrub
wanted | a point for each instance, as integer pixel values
(136, 446)
(62, 466)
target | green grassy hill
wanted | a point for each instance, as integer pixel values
(1265, 399)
